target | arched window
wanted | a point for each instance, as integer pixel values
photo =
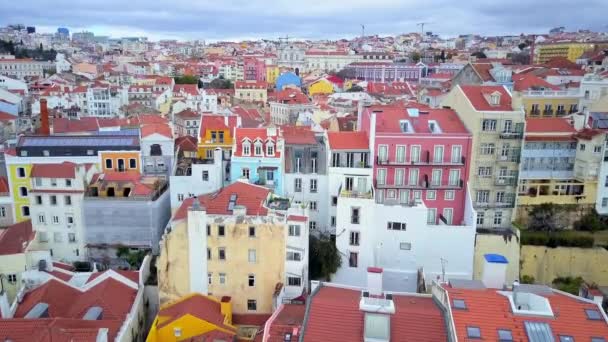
(156, 150)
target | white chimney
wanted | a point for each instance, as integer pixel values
(239, 210)
(494, 271)
(374, 281)
(197, 247)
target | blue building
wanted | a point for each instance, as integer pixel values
(257, 155)
(63, 32)
(288, 78)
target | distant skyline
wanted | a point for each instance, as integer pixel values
(313, 19)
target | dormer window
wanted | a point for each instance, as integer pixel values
(495, 98)
(257, 148)
(246, 148)
(270, 149)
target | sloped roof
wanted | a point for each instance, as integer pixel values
(15, 238)
(478, 96)
(561, 63)
(298, 135)
(197, 305)
(289, 316)
(548, 125)
(248, 195)
(527, 81)
(63, 170)
(161, 129)
(186, 143)
(4, 185)
(348, 140)
(188, 114)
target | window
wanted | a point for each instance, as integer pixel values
(438, 154)
(43, 236)
(448, 213)
(354, 215)
(53, 182)
(208, 253)
(257, 149)
(67, 200)
(581, 147)
(180, 197)
(381, 176)
(209, 154)
(251, 280)
(415, 154)
(565, 338)
(313, 185)
(294, 230)
(349, 183)
(498, 218)
(245, 173)
(71, 237)
(487, 149)
(431, 216)
(334, 201)
(252, 256)
(436, 176)
(312, 225)
(68, 183)
(57, 237)
(2, 212)
(449, 195)
(41, 218)
(38, 181)
(473, 332)
(208, 230)
(21, 172)
(313, 205)
(297, 186)
(23, 191)
(593, 315)
(354, 239)
(12, 278)
(270, 149)
(132, 163)
(404, 196)
(209, 277)
(505, 335)
(294, 256)
(484, 171)
(252, 305)
(395, 225)
(223, 278)
(294, 281)
(108, 163)
(413, 177)
(251, 231)
(500, 197)
(431, 195)
(55, 219)
(353, 259)
(598, 339)
(399, 176)
(221, 230)
(604, 202)
(246, 149)
(38, 199)
(459, 304)
(69, 219)
(332, 221)
(205, 176)
(488, 125)
(25, 211)
(53, 199)
(382, 154)
(483, 196)
(221, 253)
(597, 149)
(400, 154)
(480, 217)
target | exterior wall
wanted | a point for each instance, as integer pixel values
(281, 113)
(184, 186)
(207, 144)
(20, 68)
(492, 210)
(506, 245)
(116, 156)
(330, 62)
(319, 215)
(122, 221)
(9, 265)
(255, 174)
(16, 182)
(337, 186)
(251, 95)
(272, 73)
(173, 266)
(320, 87)
(571, 51)
(601, 201)
(546, 264)
(6, 210)
(569, 99)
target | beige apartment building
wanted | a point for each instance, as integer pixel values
(497, 128)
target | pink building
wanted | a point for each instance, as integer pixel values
(254, 69)
(420, 154)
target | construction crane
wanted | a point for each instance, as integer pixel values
(422, 27)
(362, 31)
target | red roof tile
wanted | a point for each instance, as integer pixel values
(212, 122)
(253, 134)
(4, 185)
(388, 119)
(161, 129)
(549, 125)
(483, 70)
(389, 89)
(490, 311)
(56, 330)
(195, 305)
(523, 82)
(288, 318)
(63, 170)
(251, 196)
(186, 143)
(191, 89)
(188, 114)
(335, 316)
(479, 97)
(298, 135)
(250, 319)
(86, 124)
(348, 140)
(291, 96)
(15, 238)
(250, 85)
(297, 218)
(4, 116)
(131, 275)
(250, 117)
(561, 63)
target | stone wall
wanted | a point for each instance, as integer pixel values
(505, 243)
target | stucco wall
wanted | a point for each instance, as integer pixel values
(505, 245)
(545, 264)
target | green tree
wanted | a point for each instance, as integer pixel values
(186, 79)
(568, 284)
(590, 222)
(220, 83)
(527, 279)
(545, 217)
(324, 258)
(415, 56)
(355, 88)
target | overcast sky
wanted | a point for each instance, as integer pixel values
(306, 19)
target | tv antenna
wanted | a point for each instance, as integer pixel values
(421, 24)
(443, 263)
(362, 31)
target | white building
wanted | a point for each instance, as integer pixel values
(62, 64)
(56, 200)
(397, 238)
(157, 149)
(105, 100)
(329, 60)
(20, 68)
(291, 56)
(594, 93)
(13, 84)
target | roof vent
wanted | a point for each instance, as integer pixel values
(40, 310)
(94, 313)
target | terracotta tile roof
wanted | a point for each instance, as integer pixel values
(14, 239)
(191, 89)
(63, 170)
(186, 143)
(4, 116)
(298, 135)
(523, 82)
(56, 330)
(288, 318)
(161, 129)
(588, 133)
(4, 185)
(251, 196)
(561, 63)
(348, 140)
(479, 97)
(253, 134)
(549, 125)
(388, 119)
(188, 114)
(63, 266)
(291, 96)
(483, 70)
(490, 311)
(212, 122)
(250, 319)
(85, 124)
(131, 275)
(197, 305)
(297, 218)
(389, 89)
(250, 117)
(335, 316)
(250, 85)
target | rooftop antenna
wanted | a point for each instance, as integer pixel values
(421, 24)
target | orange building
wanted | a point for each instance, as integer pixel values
(120, 161)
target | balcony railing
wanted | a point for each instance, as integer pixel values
(507, 203)
(547, 113)
(552, 93)
(423, 161)
(448, 186)
(511, 158)
(511, 135)
(356, 194)
(560, 112)
(534, 112)
(505, 181)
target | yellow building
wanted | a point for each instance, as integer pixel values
(569, 50)
(232, 243)
(19, 180)
(216, 132)
(539, 98)
(120, 161)
(195, 316)
(251, 91)
(320, 87)
(558, 165)
(272, 73)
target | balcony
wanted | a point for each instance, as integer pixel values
(505, 180)
(419, 185)
(535, 112)
(552, 93)
(453, 186)
(547, 113)
(423, 161)
(510, 158)
(505, 204)
(560, 112)
(356, 194)
(511, 135)
(270, 184)
(151, 169)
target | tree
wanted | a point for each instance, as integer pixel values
(590, 222)
(324, 258)
(186, 79)
(415, 56)
(346, 74)
(479, 54)
(220, 83)
(546, 217)
(355, 88)
(568, 284)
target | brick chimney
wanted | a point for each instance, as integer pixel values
(45, 128)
